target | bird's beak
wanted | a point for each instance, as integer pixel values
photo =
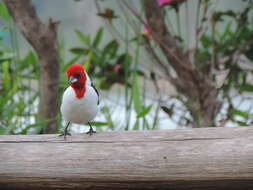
(72, 79)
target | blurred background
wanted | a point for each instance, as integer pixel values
(127, 55)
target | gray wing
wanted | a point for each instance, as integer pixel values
(92, 85)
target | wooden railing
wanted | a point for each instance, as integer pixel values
(206, 158)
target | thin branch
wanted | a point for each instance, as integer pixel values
(187, 24)
(134, 12)
(178, 22)
(147, 45)
(109, 25)
(197, 26)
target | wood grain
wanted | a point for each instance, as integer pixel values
(206, 158)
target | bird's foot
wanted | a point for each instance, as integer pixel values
(90, 132)
(65, 134)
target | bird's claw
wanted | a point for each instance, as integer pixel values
(65, 134)
(90, 132)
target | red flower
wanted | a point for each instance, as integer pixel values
(116, 68)
(108, 13)
(147, 32)
(164, 2)
(173, 3)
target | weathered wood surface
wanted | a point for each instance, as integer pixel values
(207, 158)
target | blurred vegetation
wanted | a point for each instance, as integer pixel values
(119, 62)
(17, 74)
(222, 50)
(107, 64)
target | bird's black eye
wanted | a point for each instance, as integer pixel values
(78, 75)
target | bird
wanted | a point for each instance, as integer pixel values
(80, 100)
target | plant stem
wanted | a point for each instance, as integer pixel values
(178, 22)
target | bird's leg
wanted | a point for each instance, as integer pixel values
(91, 131)
(65, 133)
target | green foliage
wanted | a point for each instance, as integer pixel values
(234, 40)
(98, 38)
(4, 12)
(108, 116)
(17, 98)
(136, 96)
(144, 111)
(105, 61)
(244, 115)
(83, 38)
(118, 61)
(223, 38)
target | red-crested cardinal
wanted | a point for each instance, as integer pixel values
(80, 100)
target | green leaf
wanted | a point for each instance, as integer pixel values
(218, 16)
(104, 84)
(108, 117)
(5, 28)
(249, 51)
(136, 125)
(4, 100)
(6, 76)
(78, 51)
(3, 130)
(241, 123)
(243, 114)
(98, 37)
(9, 110)
(246, 87)
(6, 56)
(83, 38)
(145, 111)
(4, 12)
(136, 96)
(167, 110)
(98, 123)
(124, 60)
(86, 62)
(29, 60)
(206, 41)
(111, 49)
(36, 126)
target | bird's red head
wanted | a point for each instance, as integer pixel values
(77, 79)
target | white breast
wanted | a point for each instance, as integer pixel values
(80, 110)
